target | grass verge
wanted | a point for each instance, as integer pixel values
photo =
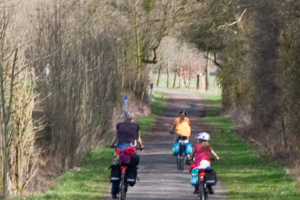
(245, 175)
(89, 183)
(92, 181)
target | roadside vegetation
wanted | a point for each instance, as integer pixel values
(245, 170)
(91, 180)
(245, 173)
(65, 66)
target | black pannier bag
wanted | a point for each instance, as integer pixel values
(210, 177)
(134, 161)
(131, 175)
(115, 173)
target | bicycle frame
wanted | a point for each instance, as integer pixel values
(123, 169)
(183, 142)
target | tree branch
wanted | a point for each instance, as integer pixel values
(214, 60)
(154, 60)
(233, 23)
(11, 86)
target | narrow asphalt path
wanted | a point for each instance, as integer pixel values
(159, 177)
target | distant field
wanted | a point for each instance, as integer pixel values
(213, 86)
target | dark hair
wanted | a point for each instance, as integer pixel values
(183, 114)
(182, 110)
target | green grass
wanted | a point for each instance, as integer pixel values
(158, 103)
(89, 183)
(245, 175)
(92, 181)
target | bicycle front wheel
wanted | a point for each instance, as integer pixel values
(122, 188)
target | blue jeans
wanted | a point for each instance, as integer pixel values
(115, 185)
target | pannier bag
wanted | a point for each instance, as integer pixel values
(134, 161)
(130, 176)
(194, 176)
(188, 148)
(115, 173)
(210, 177)
(176, 148)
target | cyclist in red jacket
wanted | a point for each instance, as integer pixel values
(201, 153)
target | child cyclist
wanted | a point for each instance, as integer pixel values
(182, 126)
(201, 153)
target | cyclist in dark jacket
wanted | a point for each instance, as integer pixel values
(127, 134)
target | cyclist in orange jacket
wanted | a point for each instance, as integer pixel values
(183, 129)
(182, 126)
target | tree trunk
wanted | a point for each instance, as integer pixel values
(174, 82)
(284, 141)
(207, 73)
(180, 77)
(158, 77)
(184, 81)
(138, 53)
(190, 77)
(198, 82)
(168, 74)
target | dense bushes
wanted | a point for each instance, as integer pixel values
(76, 59)
(256, 44)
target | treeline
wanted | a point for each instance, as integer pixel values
(64, 68)
(256, 45)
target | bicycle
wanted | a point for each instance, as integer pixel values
(123, 184)
(204, 182)
(203, 190)
(181, 157)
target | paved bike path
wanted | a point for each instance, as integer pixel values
(158, 174)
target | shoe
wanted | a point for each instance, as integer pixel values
(196, 192)
(114, 196)
(188, 162)
(211, 191)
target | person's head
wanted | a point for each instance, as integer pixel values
(128, 115)
(182, 112)
(203, 137)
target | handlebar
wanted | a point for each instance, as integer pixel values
(137, 148)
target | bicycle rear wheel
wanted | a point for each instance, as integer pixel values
(182, 162)
(122, 188)
(201, 191)
(178, 160)
(182, 157)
